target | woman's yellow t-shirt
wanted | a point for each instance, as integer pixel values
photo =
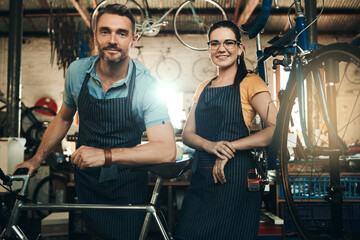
(251, 85)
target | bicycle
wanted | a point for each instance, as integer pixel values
(312, 138)
(203, 69)
(34, 121)
(167, 69)
(148, 26)
(162, 171)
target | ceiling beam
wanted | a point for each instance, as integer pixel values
(248, 10)
(155, 12)
(93, 4)
(5, 21)
(44, 4)
(32, 25)
(237, 9)
(84, 13)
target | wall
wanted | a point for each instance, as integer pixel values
(40, 79)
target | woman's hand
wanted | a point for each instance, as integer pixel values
(222, 149)
(218, 170)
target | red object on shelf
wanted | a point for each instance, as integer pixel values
(270, 229)
(48, 103)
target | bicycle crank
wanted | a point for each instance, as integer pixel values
(151, 28)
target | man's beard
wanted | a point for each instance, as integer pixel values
(111, 47)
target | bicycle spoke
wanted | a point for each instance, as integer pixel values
(306, 176)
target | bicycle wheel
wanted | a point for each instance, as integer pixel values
(190, 18)
(51, 189)
(307, 174)
(203, 69)
(168, 69)
(34, 122)
(137, 11)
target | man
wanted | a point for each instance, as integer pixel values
(116, 101)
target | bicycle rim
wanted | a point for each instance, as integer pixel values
(203, 69)
(186, 24)
(306, 175)
(168, 69)
(51, 189)
(34, 122)
(138, 13)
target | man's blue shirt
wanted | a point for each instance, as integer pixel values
(147, 108)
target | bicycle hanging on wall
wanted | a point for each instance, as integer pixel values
(190, 17)
(317, 128)
(167, 69)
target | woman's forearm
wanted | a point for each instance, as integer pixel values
(259, 139)
(193, 140)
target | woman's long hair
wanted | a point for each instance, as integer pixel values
(241, 71)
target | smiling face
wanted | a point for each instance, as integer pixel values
(225, 56)
(114, 37)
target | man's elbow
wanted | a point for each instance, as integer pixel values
(170, 154)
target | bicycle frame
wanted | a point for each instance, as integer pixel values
(295, 43)
(147, 27)
(299, 47)
(20, 205)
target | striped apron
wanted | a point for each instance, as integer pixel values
(108, 123)
(220, 211)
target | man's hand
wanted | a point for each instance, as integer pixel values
(85, 157)
(218, 170)
(32, 164)
(222, 149)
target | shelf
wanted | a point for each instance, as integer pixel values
(169, 183)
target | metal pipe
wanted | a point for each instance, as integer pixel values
(71, 207)
(14, 69)
(310, 16)
(154, 197)
(334, 189)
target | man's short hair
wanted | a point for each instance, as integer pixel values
(117, 9)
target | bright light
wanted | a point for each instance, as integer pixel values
(167, 92)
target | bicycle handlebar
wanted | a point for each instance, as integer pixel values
(4, 177)
(262, 20)
(19, 175)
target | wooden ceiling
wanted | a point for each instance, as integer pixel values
(339, 17)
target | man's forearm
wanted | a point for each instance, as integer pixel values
(149, 153)
(160, 148)
(53, 135)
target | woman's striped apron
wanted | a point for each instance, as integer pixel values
(108, 123)
(220, 211)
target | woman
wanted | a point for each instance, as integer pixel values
(217, 204)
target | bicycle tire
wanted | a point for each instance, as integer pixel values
(34, 123)
(42, 188)
(203, 69)
(138, 13)
(190, 22)
(304, 181)
(168, 69)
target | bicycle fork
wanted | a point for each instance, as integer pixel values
(12, 227)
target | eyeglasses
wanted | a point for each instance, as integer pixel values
(228, 44)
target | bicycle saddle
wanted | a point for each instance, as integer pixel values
(166, 170)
